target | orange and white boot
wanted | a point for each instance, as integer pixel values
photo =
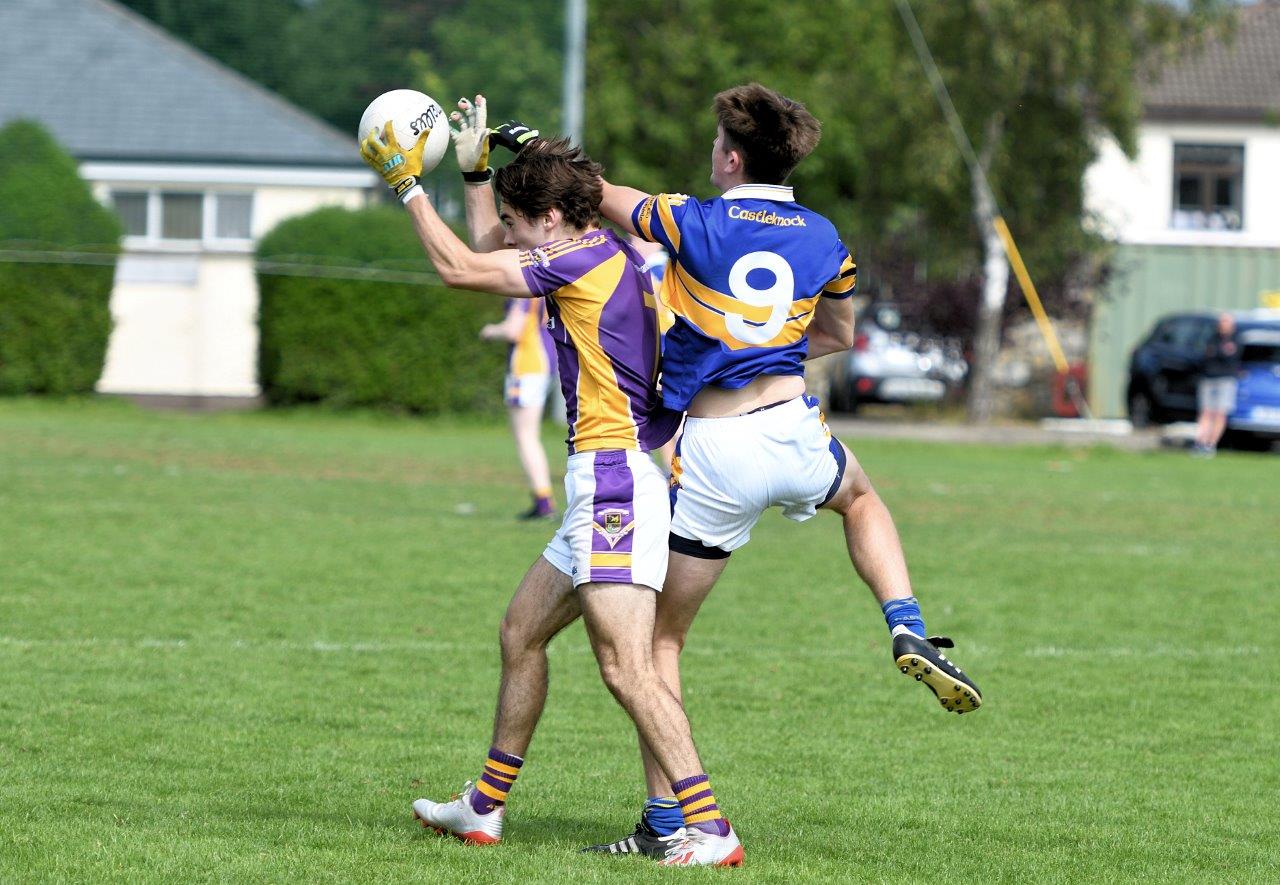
(710, 844)
(459, 818)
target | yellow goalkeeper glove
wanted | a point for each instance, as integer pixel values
(399, 168)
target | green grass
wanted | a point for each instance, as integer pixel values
(236, 647)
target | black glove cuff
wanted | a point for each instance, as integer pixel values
(477, 177)
(405, 184)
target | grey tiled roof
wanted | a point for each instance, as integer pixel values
(1233, 77)
(112, 86)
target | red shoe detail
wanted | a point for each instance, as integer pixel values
(477, 838)
(734, 859)
(474, 838)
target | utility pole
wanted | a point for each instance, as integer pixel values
(575, 65)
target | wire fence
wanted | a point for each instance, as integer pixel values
(313, 266)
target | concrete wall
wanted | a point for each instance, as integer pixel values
(186, 314)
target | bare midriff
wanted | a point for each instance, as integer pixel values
(767, 390)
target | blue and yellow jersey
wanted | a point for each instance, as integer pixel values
(747, 270)
(533, 353)
(605, 330)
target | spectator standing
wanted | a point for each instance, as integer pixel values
(1216, 393)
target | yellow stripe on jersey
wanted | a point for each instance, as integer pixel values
(668, 220)
(845, 280)
(718, 301)
(604, 411)
(555, 250)
(711, 322)
(659, 206)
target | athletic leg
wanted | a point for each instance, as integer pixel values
(876, 552)
(526, 427)
(543, 605)
(689, 581)
(870, 535)
(620, 621)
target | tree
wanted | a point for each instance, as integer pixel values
(1033, 83)
(54, 318)
(511, 52)
(330, 57)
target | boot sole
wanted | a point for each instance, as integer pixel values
(954, 695)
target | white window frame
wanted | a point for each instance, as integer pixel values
(209, 241)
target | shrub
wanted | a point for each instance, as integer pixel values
(55, 318)
(366, 343)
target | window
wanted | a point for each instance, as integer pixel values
(234, 216)
(181, 216)
(131, 206)
(1208, 187)
(186, 216)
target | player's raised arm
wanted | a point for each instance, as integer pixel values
(472, 142)
(460, 268)
(618, 203)
(471, 147)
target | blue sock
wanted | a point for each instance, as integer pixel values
(904, 613)
(663, 815)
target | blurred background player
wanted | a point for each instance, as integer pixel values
(656, 260)
(530, 367)
(759, 284)
(609, 557)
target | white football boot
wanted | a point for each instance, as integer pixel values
(458, 818)
(698, 848)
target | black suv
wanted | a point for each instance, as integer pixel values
(1166, 366)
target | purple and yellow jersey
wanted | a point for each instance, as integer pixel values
(656, 266)
(747, 270)
(533, 353)
(605, 329)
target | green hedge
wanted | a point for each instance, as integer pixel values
(364, 343)
(55, 319)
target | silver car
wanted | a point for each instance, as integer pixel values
(888, 365)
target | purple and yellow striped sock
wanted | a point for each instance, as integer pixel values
(500, 772)
(697, 802)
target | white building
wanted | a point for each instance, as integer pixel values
(1196, 213)
(198, 161)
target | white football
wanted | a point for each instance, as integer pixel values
(412, 113)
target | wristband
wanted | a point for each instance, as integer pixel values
(477, 177)
(411, 192)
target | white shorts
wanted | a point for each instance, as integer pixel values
(1217, 394)
(616, 524)
(728, 471)
(526, 390)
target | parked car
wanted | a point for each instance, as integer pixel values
(1165, 369)
(889, 365)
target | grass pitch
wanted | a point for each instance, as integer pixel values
(237, 647)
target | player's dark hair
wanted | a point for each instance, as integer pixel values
(772, 132)
(553, 173)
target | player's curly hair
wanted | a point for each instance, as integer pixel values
(773, 132)
(553, 173)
